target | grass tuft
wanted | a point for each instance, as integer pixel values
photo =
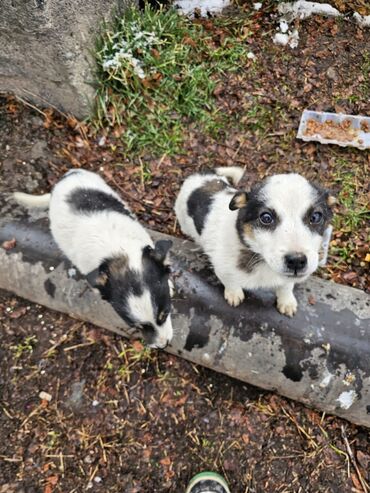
(156, 73)
(25, 346)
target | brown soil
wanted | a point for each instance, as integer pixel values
(125, 419)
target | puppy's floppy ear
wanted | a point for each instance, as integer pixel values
(98, 278)
(160, 251)
(331, 200)
(325, 194)
(239, 200)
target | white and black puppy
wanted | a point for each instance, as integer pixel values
(267, 238)
(98, 233)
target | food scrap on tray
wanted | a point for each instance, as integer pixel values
(341, 131)
(335, 128)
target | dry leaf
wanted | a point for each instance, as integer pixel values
(165, 462)
(245, 438)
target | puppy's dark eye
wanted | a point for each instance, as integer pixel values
(316, 217)
(266, 218)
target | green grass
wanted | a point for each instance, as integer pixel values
(156, 73)
(355, 213)
(26, 346)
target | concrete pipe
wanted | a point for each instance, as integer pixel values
(321, 357)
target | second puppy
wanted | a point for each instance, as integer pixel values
(98, 233)
(267, 238)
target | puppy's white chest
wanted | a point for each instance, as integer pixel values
(259, 277)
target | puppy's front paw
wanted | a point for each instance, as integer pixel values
(234, 296)
(287, 305)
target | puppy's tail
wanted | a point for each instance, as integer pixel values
(32, 201)
(233, 173)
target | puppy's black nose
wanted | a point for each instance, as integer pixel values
(295, 262)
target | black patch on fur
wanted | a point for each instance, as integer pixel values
(200, 201)
(120, 284)
(89, 201)
(248, 260)
(321, 205)
(148, 332)
(155, 277)
(49, 287)
(249, 215)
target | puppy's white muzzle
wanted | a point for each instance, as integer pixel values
(164, 334)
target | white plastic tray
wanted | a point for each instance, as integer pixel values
(361, 141)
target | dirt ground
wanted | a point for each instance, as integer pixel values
(125, 419)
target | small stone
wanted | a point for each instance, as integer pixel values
(98, 479)
(44, 396)
(206, 358)
(251, 56)
(332, 74)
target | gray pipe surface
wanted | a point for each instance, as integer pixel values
(321, 357)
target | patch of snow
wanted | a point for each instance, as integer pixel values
(116, 62)
(290, 39)
(293, 39)
(304, 9)
(205, 7)
(346, 399)
(257, 5)
(123, 50)
(281, 39)
(284, 26)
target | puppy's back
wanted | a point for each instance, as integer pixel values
(197, 194)
(90, 222)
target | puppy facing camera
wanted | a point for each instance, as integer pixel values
(270, 237)
(98, 233)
